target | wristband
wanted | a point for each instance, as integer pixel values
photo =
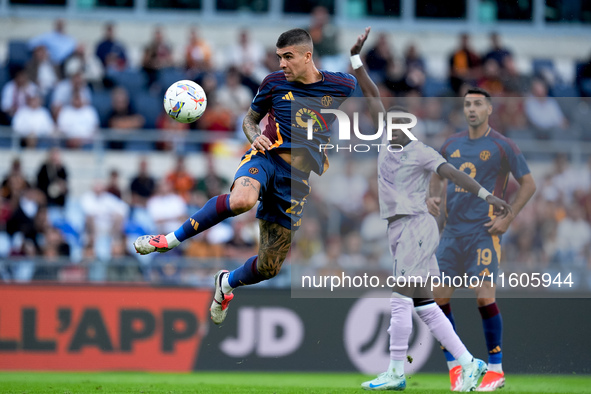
(356, 62)
(483, 193)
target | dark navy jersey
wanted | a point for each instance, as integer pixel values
(489, 160)
(291, 104)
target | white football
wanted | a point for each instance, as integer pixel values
(185, 101)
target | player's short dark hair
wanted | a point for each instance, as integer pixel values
(294, 37)
(479, 91)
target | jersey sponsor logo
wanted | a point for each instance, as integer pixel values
(253, 170)
(484, 155)
(304, 114)
(456, 154)
(288, 96)
(326, 101)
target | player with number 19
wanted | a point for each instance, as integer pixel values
(471, 240)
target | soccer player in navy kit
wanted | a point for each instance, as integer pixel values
(470, 243)
(276, 168)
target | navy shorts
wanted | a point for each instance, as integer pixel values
(477, 254)
(283, 188)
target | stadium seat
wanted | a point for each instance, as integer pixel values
(18, 54)
(149, 106)
(132, 80)
(4, 76)
(545, 69)
(435, 87)
(168, 76)
(563, 90)
(101, 100)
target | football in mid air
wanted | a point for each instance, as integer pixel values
(185, 101)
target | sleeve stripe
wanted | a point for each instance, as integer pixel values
(341, 81)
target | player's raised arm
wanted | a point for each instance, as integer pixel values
(368, 87)
(466, 182)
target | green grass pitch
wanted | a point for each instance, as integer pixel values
(245, 382)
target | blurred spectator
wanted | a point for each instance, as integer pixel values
(52, 179)
(78, 122)
(180, 180)
(348, 188)
(271, 63)
(14, 95)
(74, 85)
(49, 266)
(379, 59)
(510, 117)
(123, 116)
(173, 133)
(248, 55)
(543, 112)
(113, 183)
(76, 62)
(15, 183)
(583, 78)
(58, 43)
(104, 216)
(573, 238)
(175, 214)
(233, 95)
(464, 64)
(142, 185)
(157, 55)
(32, 121)
(197, 54)
(497, 52)
(212, 184)
(413, 59)
(491, 79)
(245, 237)
(22, 219)
(111, 52)
(325, 38)
(42, 71)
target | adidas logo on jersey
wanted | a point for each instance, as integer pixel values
(288, 96)
(456, 153)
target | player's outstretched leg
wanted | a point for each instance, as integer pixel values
(470, 369)
(275, 241)
(213, 212)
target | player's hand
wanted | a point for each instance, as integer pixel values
(501, 208)
(356, 49)
(500, 224)
(433, 206)
(261, 143)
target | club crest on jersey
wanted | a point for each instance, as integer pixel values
(326, 101)
(403, 157)
(484, 155)
(253, 170)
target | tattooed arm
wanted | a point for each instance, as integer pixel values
(251, 129)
